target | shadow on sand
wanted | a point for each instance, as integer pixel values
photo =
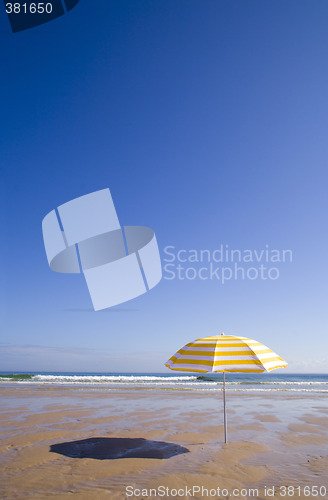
(112, 448)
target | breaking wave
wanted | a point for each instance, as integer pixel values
(234, 382)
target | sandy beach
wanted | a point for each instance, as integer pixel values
(92, 443)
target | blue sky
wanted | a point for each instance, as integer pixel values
(208, 122)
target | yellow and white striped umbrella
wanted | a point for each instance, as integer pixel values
(225, 353)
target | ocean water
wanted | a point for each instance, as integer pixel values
(235, 382)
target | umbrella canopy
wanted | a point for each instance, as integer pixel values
(225, 353)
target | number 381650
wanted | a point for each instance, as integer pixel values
(32, 8)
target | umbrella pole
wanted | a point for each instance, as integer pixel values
(224, 410)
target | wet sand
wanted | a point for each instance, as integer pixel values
(92, 443)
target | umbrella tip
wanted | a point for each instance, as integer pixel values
(222, 333)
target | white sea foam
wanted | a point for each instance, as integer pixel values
(109, 378)
(153, 380)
